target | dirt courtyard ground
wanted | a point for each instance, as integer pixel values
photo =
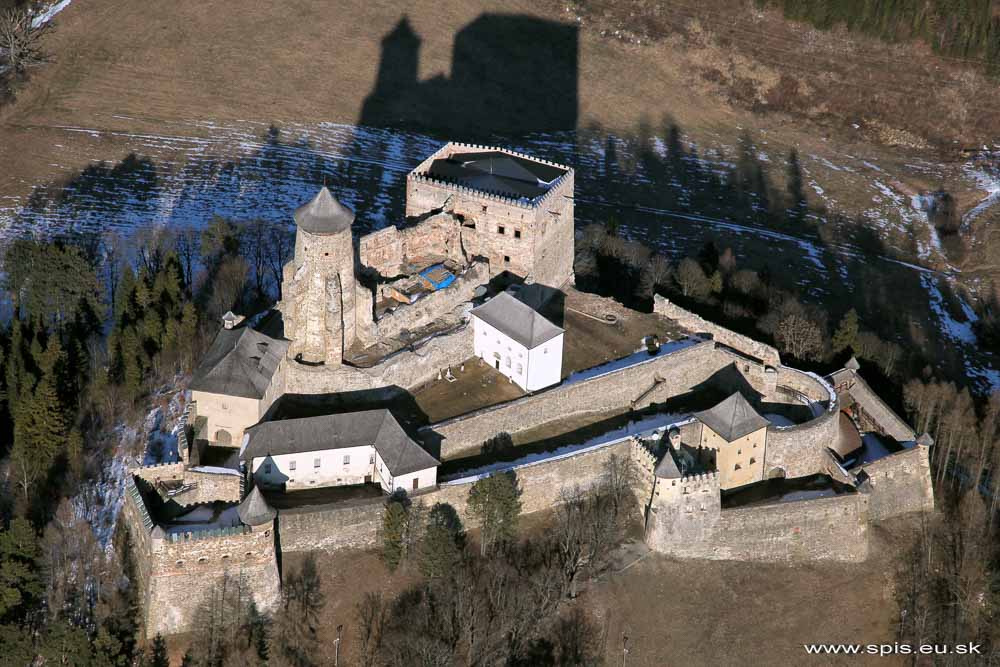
(686, 612)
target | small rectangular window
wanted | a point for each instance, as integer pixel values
(517, 233)
(371, 459)
(316, 463)
(267, 468)
(347, 459)
(752, 460)
(501, 230)
(506, 259)
(520, 369)
(291, 465)
(737, 467)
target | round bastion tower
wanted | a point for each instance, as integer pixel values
(318, 286)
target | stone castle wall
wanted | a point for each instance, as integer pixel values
(833, 528)
(698, 324)
(901, 483)
(876, 410)
(192, 567)
(207, 486)
(357, 524)
(680, 371)
(435, 306)
(389, 250)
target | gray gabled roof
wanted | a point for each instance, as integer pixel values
(517, 320)
(733, 418)
(324, 214)
(254, 510)
(667, 467)
(352, 429)
(240, 362)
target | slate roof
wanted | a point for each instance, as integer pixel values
(733, 418)
(240, 362)
(254, 510)
(497, 172)
(517, 320)
(667, 467)
(323, 215)
(352, 429)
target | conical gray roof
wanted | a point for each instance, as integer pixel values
(254, 509)
(323, 215)
(732, 418)
(852, 364)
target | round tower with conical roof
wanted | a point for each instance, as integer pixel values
(318, 286)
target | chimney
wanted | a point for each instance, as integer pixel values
(230, 321)
(675, 438)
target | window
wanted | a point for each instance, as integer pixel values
(520, 369)
(501, 230)
(484, 209)
(737, 467)
(506, 259)
(347, 459)
(496, 355)
(202, 560)
(179, 563)
(291, 465)
(752, 460)
(371, 459)
(316, 463)
(545, 350)
(508, 362)
(267, 468)
(517, 233)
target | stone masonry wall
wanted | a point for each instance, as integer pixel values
(356, 524)
(901, 483)
(821, 529)
(801, 449)
(858, 391)
(210, 486)
(697, 324)
(187, 570)
(435, 306)
(680, 370)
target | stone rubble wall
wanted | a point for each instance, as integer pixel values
(389, 250)
(697, 324)
(435, 306)
(901, 483)
(210, 486)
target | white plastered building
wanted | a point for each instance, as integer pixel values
(518, 342)
(337, 450)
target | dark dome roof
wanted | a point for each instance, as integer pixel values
(324, 215)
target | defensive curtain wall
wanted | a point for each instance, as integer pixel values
(796, 450)
(173, 570)
(901, 483)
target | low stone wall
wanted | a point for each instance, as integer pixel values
(680, 371)
(697, 324)
(901, 483)
(346, 525)
(406, 369)
(822, 529)
(356, 524)
(209, 486)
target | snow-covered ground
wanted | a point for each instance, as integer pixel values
(191, 171)
(634, 359)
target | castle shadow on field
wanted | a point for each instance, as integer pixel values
(511, 74)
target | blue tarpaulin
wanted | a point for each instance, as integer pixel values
(438, 276)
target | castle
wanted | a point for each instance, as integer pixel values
(787, 466)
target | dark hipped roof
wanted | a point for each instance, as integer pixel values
(240, 362)
(667, 467)
(352, 429)
(254, 510)
(497, 172)
(517, 320)
(732, 418)
(324, 214)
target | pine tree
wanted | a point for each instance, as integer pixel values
(495, 503)
(846, 335)
(19, 554)
(158, 656)
(394, 528)
(441, 546)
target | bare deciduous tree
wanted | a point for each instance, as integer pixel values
(21, 39)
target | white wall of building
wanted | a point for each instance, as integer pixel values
(226, 416)
(336, 467)
(531, 370)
